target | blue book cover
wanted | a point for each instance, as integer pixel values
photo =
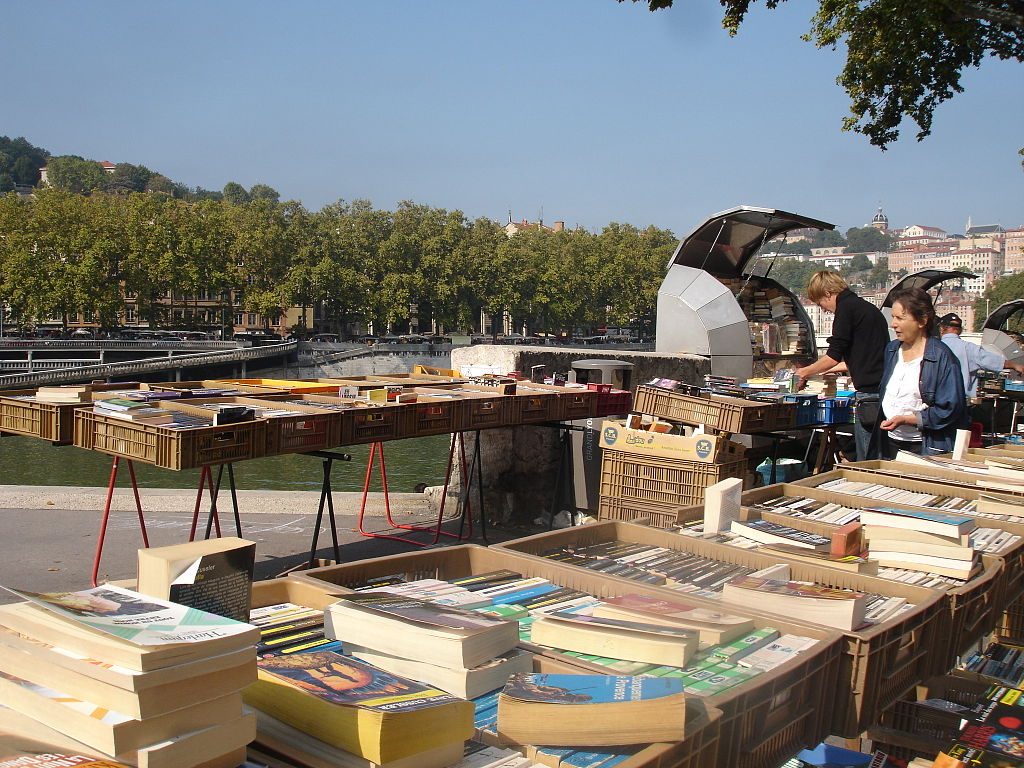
(524, 594)
(581, 759)
(935, 516)
(589, 689)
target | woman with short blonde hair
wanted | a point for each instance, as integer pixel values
(824, 283)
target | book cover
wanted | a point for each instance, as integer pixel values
(134, 617)
(931, 515)
(599, 622)
(588, 689)
(410, 609)
(673, 609)
(793, 589)
(352, 705)
(213, 575)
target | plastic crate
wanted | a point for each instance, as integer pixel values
(476, 410)
(170, 448)
(531, 406)
(1010, 626)
(621, 510)
(313, 429)
(615, 402)
(661, 480)
(971, 610)
(718, 412)
(49, 421)
(574, 402)
(362, 422)
(837, 410)
(435, 417)
(806, 407)
(879, 664)
(764, 721)
(909, 730)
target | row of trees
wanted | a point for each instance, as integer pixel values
(62, 253)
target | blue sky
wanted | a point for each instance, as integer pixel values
(588, 110)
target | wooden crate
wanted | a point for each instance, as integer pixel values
(879, 663)
(718, 412)
(764, 720)
(170, 448)
(266, 393)
(433, 416)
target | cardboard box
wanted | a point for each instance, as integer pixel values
(706, 448)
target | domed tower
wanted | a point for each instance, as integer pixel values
(880, 221)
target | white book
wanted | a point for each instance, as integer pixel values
(722, 504)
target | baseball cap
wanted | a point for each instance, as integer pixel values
(951, 319)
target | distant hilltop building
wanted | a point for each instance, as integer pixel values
(513, 228)
(107, 166)
(880, 221)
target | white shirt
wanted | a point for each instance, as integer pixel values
(903, 396)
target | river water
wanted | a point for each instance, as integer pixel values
(26, 461)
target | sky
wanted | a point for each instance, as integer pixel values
(584, 111)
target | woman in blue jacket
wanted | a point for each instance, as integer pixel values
(922, 390)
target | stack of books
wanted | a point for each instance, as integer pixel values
(460, 651)
(133, 410)
(129, 678)
(840, 608)
(920, 540)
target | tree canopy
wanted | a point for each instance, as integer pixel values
(903, 57)
(867, 240)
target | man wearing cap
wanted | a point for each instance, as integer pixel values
(972, 357)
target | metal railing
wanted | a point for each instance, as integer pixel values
(89, 372)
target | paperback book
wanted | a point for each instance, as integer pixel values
(591, 710)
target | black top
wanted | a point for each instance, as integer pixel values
(859, 336)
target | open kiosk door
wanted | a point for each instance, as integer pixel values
(714, 302)
(926, 279)
(1003, 329)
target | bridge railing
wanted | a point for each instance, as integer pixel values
(88, 372)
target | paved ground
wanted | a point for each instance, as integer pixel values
(49, 534)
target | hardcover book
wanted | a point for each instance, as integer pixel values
(591, 710)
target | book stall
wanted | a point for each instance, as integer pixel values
(695, 625)
(217, 423)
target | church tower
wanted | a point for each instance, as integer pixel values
(880, 221)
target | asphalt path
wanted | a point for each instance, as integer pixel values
(48, 544)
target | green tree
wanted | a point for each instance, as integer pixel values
(859, 263)
(903, 58)
(793, 274)
(75, 174)
(999, 292)
(264, 192)
(879, 275)
(6, 183)
(867, 240)
(128, 178)
(235, 194)
(22, 160)
(827, 238)
(635, 266)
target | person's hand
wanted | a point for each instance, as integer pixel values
(800, 378)
(895, 421)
